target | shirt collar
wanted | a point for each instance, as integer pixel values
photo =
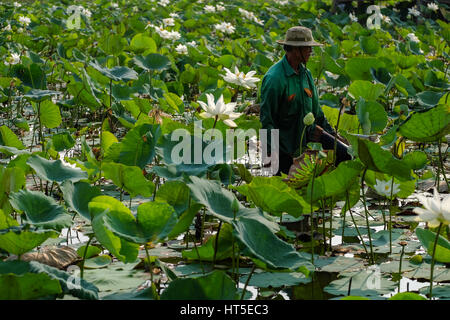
(289, 70)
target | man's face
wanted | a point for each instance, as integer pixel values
(304, 53)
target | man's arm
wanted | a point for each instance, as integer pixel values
(270, 92)
(317, 110)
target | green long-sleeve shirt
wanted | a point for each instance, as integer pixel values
(284, 104)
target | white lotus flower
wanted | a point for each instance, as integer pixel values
(181, 49)
(260, 22)
(413, 12)
(225, 27)
(164, 2)
(114, 5)
(282, 2)
(7, 28)
(433, 6)
(352, 17)
(309, 119)
(385, 19)
(220, 110)
(210, 9)
(14, 59)
(192, 43)
(412, 37)
(384, 188)
(169, 22)
(17, 5)
(150, 25)
(436, 211)
(240, 78)
(24, 20)
(174, 15)
(86, 12)
(135, 9)
(220, 7)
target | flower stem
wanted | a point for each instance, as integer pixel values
(84, 258)
(312, 220)
(301, 140)
(390, 217)
(367, 217)
(432, 260)
(356, 227)
(248, 280)
(216, 243)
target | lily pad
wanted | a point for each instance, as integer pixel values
(365, 283)
(214, 286)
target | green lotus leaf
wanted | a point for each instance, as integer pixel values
(407, 296)
(262, 191)
(108, 139)
(17, 240)
(175, 193)
(276, 279)
(78, 195)
(50, 114)
(8, 138)
(54, 170)
(428, 237)
(137, 148)
(38, 95)
(263, 244)
(429, 98)
(130, 178)
(40, 210)
(214, 286)
(141, 42)
(6, 221)
(365, 283)
(359, 68)
(27, 286)
(347, 122)
(335, 182)
(206, 251)
(118, 73)
(116, 277)
(366, 90)
(416, 159)
(97, 262)
(11, 180)
(154, 222)
(92, 251)
(377, 159)
(428, 125)
(32, 75)
(153, 61)
(371, 115)
(185, 220)
(122, 249)
(62, 141)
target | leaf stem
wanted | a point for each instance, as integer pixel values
(84, 257)
(433, 261)
(367, 217)
(247, 281)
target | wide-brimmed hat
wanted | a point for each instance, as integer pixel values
(299, 37)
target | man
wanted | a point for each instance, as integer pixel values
(288, 94)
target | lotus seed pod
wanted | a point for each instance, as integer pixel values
(308, 119)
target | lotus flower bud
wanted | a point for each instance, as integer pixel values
(308, 119)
